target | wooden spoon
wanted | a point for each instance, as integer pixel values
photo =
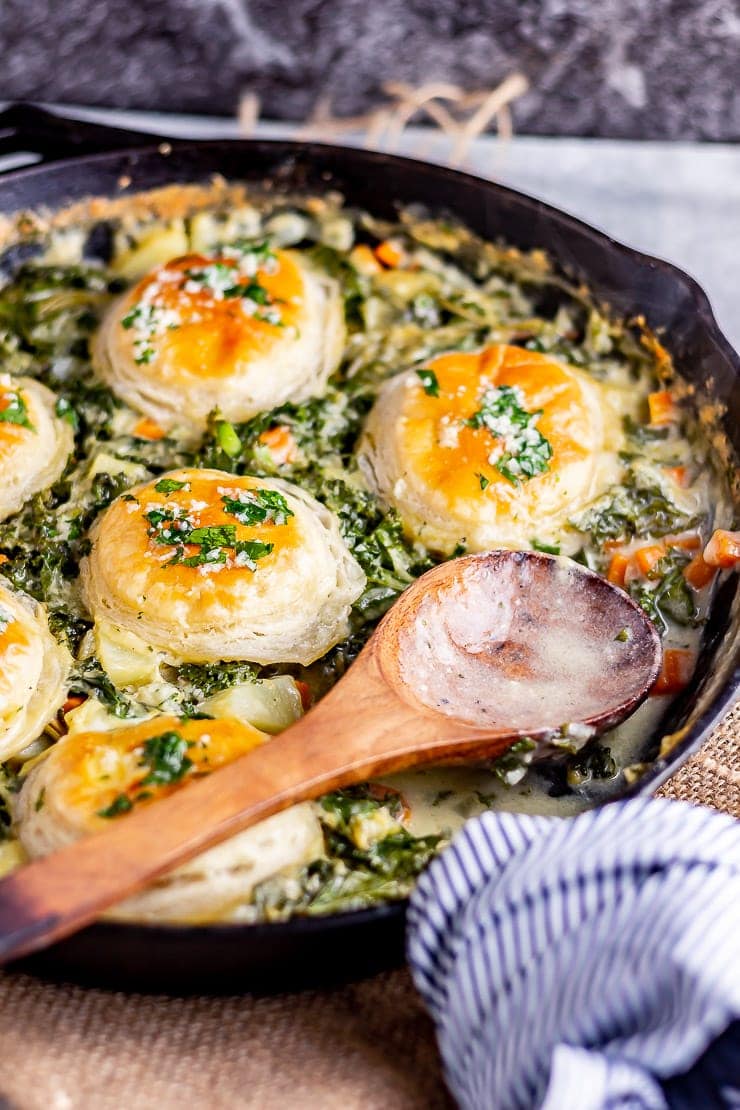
(476, 654)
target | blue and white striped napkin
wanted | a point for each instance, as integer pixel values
(585, 963)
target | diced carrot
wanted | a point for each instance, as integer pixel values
(149, 429)
(363, 260)
(699, 573)
(723, 550)
(662, 407)
(679, 475)
(687, 541)
(72, 702)
(306, 696)
(4, 559)
(281, 443)
(617, 569)
(678, 666)
(647, 557)
(389, 253)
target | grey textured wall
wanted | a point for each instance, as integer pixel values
(640, 68)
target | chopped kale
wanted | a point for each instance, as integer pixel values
(89, 678)
(633, 509)
(665, 593)
(595, 761)
(202, 680)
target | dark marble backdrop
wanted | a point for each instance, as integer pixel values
(638, 68)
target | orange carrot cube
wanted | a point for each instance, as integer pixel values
(149, 429)
(699, 572)
(647, 557)
(723, 550)
(389, 253)
(662, 407)
(617, 572)
(678, 667)
(281, 443)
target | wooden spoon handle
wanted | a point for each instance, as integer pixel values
(358, 730)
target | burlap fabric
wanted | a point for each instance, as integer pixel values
(366, 1045)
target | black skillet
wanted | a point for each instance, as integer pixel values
(82, 159)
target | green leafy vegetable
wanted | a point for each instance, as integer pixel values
(595, 761)
(120, 804)
(167, 759)
(169, 485)
(633, 509)
(429, 381)
(202, 680)
(13, 409)
(259, 506)
(665, 593)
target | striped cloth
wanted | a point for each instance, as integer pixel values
(585, 963)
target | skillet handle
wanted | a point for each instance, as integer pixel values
(24, 127)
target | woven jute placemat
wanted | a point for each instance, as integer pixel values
(364, 1045)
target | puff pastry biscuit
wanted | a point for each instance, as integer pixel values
(241, 331)
(88, 778)
(206, 566)
(33, 672)
(445, 445)
(34, 442)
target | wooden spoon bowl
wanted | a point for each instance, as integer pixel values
(476, 654)
(517, 642)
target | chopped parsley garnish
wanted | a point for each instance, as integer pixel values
(255, 253)
(259, 506)
(483, 482)
(522, 451)
(170, 529)
(166, 757)
(120, 804)
(223, 281)
(169, 485)
(429, 381)
(249, 551)
(167, 761)
(14, 410)
(148, 320)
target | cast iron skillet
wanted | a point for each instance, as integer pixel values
(317, 950)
